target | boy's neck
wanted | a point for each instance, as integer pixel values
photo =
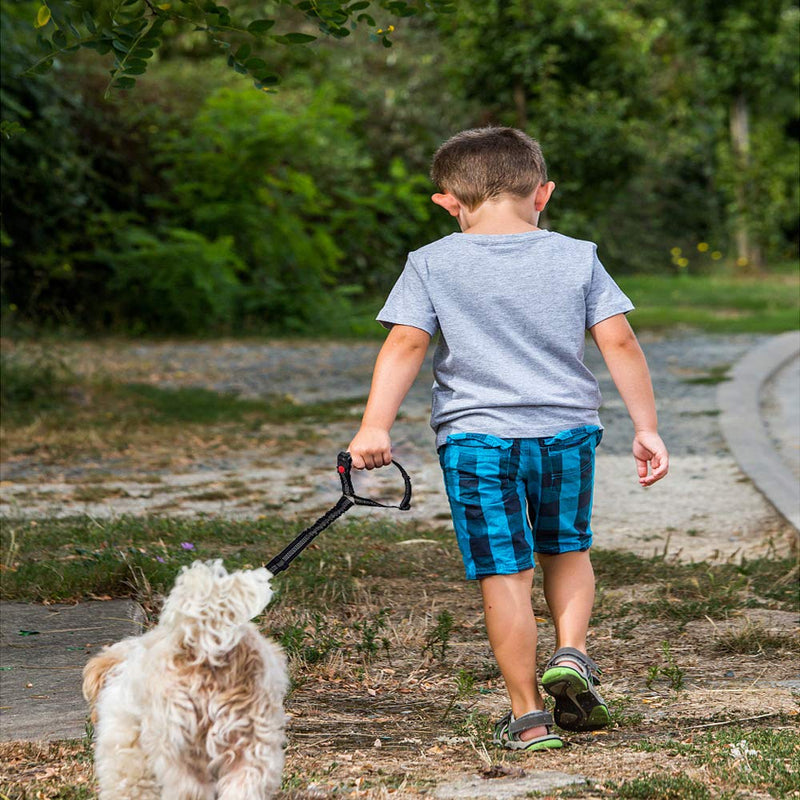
(501, 216)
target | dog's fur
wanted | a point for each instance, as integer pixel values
(193, 709)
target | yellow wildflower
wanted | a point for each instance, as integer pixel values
(676, 251)
(716, 255)
(683, 263)
(702, 247)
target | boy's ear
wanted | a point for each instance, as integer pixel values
(543, 194)
(448, 202)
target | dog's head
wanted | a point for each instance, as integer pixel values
(208, 606)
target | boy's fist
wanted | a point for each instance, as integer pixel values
(370, 448)
(648, 449)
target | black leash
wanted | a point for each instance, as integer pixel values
(349, 498)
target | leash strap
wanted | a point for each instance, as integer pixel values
(349, 498)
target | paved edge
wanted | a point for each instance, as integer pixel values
(739, 401)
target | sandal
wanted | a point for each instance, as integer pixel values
(507, 731)
(579, 706)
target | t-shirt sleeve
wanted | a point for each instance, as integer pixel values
(409, 302)
(604, 298)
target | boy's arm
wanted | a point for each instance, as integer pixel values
(628, 367)
(396, 367)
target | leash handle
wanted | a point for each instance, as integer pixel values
(344, 463)
(304, 539)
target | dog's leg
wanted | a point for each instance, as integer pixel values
(251, 768)
(120, 763)
(181, 784)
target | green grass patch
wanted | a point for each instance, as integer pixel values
(737, 758)
(44, 389)
(81, 557)
(661, 786)
(684, 592)
(767, 303)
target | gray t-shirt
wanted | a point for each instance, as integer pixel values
(512, 310)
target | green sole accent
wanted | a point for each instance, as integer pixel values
(551, 744)
(600, 717)
(565, 675)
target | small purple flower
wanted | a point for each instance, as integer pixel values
(161, 560)
(187, 545)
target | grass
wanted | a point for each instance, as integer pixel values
(386, 644)
(768, 303)
(765, 759)
(75, 557)
(44, 389)
(81, 557)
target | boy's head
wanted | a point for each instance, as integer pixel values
(484, 163)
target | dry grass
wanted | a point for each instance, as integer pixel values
(375, 712)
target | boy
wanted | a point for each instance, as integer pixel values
(515, 410)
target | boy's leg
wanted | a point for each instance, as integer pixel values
(511, 625)
(569, 591)
(570, 676)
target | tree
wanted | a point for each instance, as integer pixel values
(133, 31)
(751, 52)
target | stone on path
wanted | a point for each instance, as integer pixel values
(474, 787)
(43, 652)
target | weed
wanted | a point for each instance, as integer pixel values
(465, 684)
(715, 375)
(370, 630)
(439, 638)
(33, 383)
(311, 640)
(754, 640)
(672, 672)
(473, 725)
(621, 714)
(661, 786)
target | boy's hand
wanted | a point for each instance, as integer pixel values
(649, 449)
(370, 448)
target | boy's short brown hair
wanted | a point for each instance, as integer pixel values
(482, 163)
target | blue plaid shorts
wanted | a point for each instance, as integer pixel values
(511, 498)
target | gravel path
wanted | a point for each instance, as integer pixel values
(706, 508)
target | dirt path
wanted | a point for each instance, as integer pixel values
(707, 508)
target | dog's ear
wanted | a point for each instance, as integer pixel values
(255, 587)
(95, 671)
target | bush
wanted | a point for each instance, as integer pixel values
(173, 280)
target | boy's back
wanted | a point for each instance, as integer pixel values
(513, 310)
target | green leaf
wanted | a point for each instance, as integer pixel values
(260, 25)
(118, 45)
(254, 64)
(136, 67)
(142, 52)
(295, 38)
(89, 22)
(60, 39)
(124, 83)
(356, 7)
(243, 52)
(42, 17)
(44, 67)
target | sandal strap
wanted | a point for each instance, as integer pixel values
(573, 654)
(535, 719)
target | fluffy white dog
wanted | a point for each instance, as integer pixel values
(193, 709)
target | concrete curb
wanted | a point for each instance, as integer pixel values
(739, 401)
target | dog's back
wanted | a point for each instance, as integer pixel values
(204, 692)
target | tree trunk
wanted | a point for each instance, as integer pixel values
(748, 253)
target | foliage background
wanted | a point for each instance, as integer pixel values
(197, 204)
